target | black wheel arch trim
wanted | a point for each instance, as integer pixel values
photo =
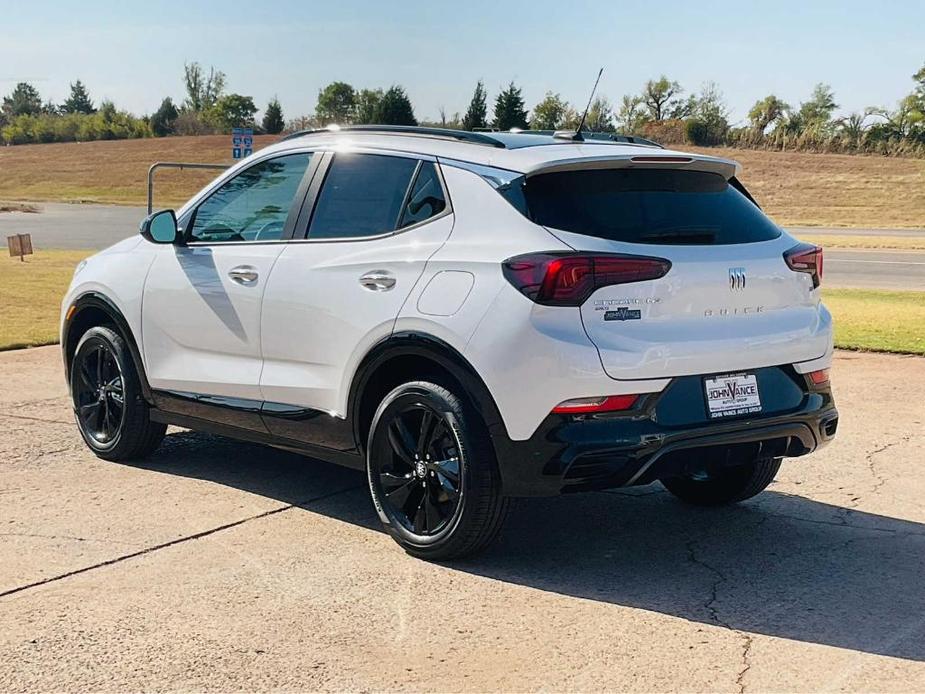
(103, 303)
(411, 343)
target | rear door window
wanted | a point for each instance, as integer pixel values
(363, 195)
(646, 206)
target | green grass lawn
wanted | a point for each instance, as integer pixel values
(31, 291)
(872, 319)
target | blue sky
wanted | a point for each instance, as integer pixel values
(133, 52)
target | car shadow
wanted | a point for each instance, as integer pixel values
(199, 267)
(780, 565)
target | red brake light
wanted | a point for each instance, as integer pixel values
(662, 160)
(568, 279)
(806, 257)
(604, 403)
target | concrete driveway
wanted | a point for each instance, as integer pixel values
(216, 565)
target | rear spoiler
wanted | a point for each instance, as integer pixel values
(727, 168)
(173, 165)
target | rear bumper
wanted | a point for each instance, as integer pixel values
(668, 435)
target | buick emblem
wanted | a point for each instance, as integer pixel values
(736, 278)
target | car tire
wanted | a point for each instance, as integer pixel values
(432, 473)
(727, 486)
(112, 415)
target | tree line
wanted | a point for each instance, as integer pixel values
(662, 110)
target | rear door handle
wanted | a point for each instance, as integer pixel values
(243, 274)
(378, 281)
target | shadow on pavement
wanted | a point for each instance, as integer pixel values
(780, 565)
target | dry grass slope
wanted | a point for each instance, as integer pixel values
(839, 190)
(110, 172)
(797, 189)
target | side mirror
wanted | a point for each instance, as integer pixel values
(160, 227)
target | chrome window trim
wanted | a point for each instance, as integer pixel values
(495, 176)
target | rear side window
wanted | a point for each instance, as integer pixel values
(646, 206)
(362, 195)
(426, 199)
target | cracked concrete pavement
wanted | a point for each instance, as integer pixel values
(217, 565)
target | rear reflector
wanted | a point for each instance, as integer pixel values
(568, 279)
(602, 403)
(806, 257)
(819, 377)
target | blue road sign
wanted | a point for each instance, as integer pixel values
(242, 142)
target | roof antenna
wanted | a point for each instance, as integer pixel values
(584, 115)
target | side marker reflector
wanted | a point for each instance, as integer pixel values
(819, 377)
(601, 403)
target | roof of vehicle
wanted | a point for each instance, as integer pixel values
(521, 152)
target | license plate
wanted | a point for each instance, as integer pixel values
(732, 395)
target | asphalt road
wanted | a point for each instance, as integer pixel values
(98, 226)
(874, 269)
(226, 566)
(60, 225)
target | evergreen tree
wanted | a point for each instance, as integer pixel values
(23, 101)
(477, 114)
(273, 122)
(509, 109)
(79, 100)
(162, 121)
(395, 108)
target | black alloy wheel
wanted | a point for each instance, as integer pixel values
(432, 472)
(112, 415)
(98, 393)
(421, 480)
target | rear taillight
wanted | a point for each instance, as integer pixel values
(602, 403)
(806, 257)
(568, 279)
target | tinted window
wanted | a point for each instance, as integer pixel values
(426, 199)
(253, 205)
(646, 206)
(363, 195)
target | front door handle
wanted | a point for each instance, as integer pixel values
(243, 274)
(378, 281)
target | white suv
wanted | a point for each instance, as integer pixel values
(467, 317)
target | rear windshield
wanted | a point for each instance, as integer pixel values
(643, 206)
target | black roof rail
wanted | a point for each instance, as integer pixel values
(446, 133)
(598, 136)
